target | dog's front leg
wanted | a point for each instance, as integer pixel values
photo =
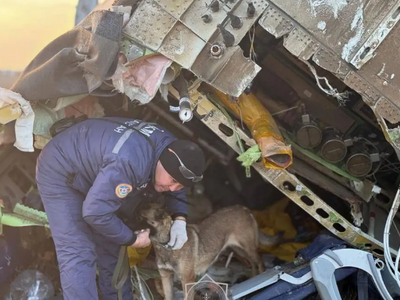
(167, 283)
(187, 277)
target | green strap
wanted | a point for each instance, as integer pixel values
(121, 272)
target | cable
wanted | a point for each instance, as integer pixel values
(377, 150)
(138, 286)
(392, 267)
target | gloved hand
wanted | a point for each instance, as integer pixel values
(178, 235)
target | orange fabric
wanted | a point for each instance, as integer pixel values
(262, 126)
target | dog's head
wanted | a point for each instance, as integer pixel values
(157, 216)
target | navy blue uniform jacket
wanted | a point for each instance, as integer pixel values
(105, 162)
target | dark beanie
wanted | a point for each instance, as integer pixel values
(190, 154)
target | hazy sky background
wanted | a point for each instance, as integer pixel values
(29, 25)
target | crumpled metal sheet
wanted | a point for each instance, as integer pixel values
(300, 44)
(209, 71)
(240, 10)
(182, 45)
(176, 8)
(386, 108)
(192, 19)
(149, 24)
(367, 50)
(343, 26)
(335, 35)
(230, 74)
(229, 81)
(275, 23)
(176, 30)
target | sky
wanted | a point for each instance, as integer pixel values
(27, 26)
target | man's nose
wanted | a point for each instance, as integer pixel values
(175, 187)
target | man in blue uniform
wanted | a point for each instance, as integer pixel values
(85, 173)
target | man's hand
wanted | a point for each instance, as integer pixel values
(142, 239)
(178, 234)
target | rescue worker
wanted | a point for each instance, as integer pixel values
(85, 173)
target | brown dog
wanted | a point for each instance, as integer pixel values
(233, 227)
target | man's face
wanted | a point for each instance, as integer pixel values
(164, 182)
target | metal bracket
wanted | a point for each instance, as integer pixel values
(287, 183)
(293, 280)
(323, 271)
(177, 31)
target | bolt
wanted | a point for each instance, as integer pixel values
(390, 24)
(207, 18)
(251, 10)
(236, 22)
(216, 50)
(214, 6)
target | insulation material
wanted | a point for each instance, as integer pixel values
(141, 78)
(24, 123)
(275, 153)
(274, 220)
(9, 112)
(46, 117)
(89, 106)
(137, 255)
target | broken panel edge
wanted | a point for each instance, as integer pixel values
(367, 50)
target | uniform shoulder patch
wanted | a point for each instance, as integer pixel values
(123, 190)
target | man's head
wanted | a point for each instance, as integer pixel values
(181, 164)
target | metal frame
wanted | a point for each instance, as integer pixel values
(286, 182)
(22, 216)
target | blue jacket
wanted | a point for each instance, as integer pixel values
(105, 162)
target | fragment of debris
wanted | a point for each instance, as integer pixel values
(194, 151)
